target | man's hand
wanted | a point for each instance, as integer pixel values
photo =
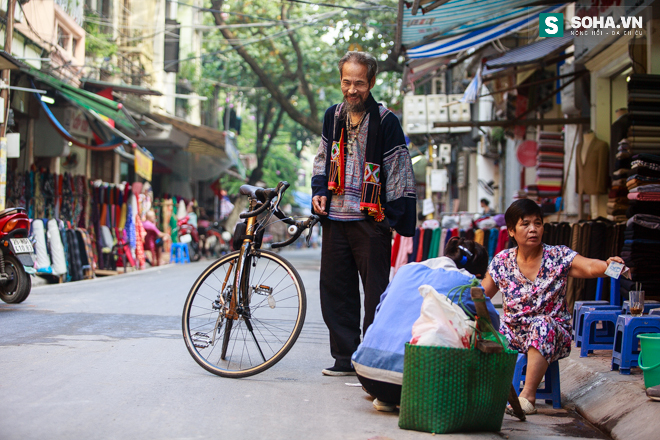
(319, 204)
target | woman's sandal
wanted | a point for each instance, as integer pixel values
(525, 405)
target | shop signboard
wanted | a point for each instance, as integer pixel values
(76, 123)
(143, 165)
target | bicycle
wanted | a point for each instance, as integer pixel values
(245, 311)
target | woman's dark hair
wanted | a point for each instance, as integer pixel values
(468, 255)
(364, 58)
(521, 209)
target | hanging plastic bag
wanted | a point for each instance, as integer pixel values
(441, 322)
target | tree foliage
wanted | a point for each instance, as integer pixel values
(280, 58)
(97, 43)
(304, 46)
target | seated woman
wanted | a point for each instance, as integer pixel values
(532, 278)
(378, 361)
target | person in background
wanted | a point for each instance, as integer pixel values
(532, 278)
(363, 187)
(192, 216)
(153, 241)
(485, 205)
(378, 361)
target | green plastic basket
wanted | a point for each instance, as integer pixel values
(455, 390)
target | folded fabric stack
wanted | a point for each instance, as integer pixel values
(617, 203)
(550, 164)
(641, 252)
(644, 185)
(644, 113)
(519, 194)
(532, 192)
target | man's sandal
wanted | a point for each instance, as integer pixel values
(525, 405)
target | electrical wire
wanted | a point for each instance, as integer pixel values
(266, 38)
(328, 5)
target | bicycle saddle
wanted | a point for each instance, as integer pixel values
(256, 192)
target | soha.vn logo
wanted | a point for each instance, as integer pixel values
(552, 25)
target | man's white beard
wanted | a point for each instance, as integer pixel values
(358, 107)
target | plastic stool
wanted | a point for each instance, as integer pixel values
(654, 312)
(615, 291)
(576, 310)
(582, 313)
(552, 391)
(179, 253)
(648, 306)
(625, 353)
(598, 339)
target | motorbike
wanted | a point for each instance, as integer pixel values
(214, 239)
(188, 233)
(17, 254)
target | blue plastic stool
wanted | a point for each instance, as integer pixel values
(584, 311)
(654, 312)
(179, 253)
(615, 291)
(552, 391)
(625, 353)
(648, 306)
(577, 326)
(598, 339)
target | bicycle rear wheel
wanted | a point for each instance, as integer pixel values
(263, 330)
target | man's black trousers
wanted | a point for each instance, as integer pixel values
(350, 249)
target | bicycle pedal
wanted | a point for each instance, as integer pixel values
(201, 340)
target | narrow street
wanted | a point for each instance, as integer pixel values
(105, 359)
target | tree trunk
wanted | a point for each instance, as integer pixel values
(312, 123)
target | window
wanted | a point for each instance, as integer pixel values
(74, 45)
(62, 38)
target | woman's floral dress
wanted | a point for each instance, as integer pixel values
(535, 311)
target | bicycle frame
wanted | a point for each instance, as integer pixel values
(239, 303)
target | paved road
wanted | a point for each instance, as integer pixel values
(105, 359)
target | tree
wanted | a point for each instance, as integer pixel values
(280, 59)
(300, 58)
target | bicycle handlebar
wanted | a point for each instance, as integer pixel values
(267, 195)
(301, 226)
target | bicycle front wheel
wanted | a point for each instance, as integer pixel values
(265, 326)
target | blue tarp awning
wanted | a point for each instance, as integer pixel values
(531, 53)
(476, 38)
(460, 16)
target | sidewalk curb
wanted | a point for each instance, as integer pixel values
(615, 404)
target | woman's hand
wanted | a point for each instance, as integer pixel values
(617, 259)
(590, 268)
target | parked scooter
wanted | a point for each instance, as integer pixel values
(17, 252)
(214, 240)
(187, 233)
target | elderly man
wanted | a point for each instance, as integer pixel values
(363, 186)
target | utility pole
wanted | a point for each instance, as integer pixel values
(4, 95)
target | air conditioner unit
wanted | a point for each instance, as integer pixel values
(414, 114)
(436, 111)
(459, 112)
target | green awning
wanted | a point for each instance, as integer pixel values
(88, 100)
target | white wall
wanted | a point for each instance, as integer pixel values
(487, 171)
(511, 177)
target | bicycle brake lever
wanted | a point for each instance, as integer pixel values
(314, 220)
